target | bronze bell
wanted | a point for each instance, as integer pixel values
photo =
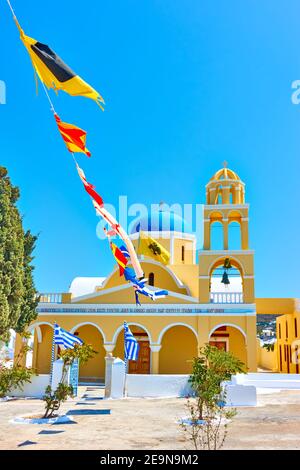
(225, 279)
(227, 264)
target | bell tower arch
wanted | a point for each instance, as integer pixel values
(226, 209)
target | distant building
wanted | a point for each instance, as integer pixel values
(288, 342)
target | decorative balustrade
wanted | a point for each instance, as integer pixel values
(226, 297)
(52, 298)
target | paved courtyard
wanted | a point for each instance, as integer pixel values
(147, 424)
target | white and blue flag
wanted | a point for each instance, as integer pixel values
(131, 345)
(64, 338)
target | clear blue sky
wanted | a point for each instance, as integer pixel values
(188, 84)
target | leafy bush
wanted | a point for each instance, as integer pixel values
(54, 399)
(17, 375)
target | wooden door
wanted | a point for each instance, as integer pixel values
(218, 344)
(142, 365)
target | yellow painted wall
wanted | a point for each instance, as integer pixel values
(179, 346)
(43, 356)
(275, 305)
(188, 274)
(95, 367)
(109, 324)
(188, 251)
(237, 344)
(267, 359)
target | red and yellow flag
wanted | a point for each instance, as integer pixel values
(73, 136)
(119, 257)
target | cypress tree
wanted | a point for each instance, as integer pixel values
(17, 292)
(30, 298)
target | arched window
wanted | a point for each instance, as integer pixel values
(234, 236)
(216, 236)
(221, 292)
(182, 253)
(151, 279)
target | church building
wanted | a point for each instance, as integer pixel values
(211, 295)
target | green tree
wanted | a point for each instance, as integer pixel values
(30, 298)
(207, 424)
(210, 369)
(17, 292)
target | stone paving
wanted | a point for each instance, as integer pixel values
(146, 424)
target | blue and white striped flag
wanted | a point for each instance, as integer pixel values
(131, 345)
(64, 338)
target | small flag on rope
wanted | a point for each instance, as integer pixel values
(73, 136)
(119, 257)
(145, 290)
(53, 72)
(64, 338)
(151, 248)
(124, 250)
(90, 188)
(131, 345)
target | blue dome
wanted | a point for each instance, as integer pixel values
(161, 221)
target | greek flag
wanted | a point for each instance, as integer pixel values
(131, 344)
(64, 338)
(153, 294)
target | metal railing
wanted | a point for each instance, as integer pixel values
(226, 297)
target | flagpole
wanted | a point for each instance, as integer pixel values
(52, 355)
(126, 367)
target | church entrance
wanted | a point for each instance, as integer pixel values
(142, 365)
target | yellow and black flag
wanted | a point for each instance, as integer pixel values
(151, 248)
(53, 72)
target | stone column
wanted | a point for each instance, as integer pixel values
(212, 193)
(251, 345)
(225, 234)
(203, 331)
(18, 346)
(226, 195)
(237, 195)
(206, 244)
(155, 348)
(245, 232)
(35, 351)
(109, 359)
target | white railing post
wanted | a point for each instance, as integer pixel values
(226, 297)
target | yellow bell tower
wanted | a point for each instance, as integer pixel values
(225, 205)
